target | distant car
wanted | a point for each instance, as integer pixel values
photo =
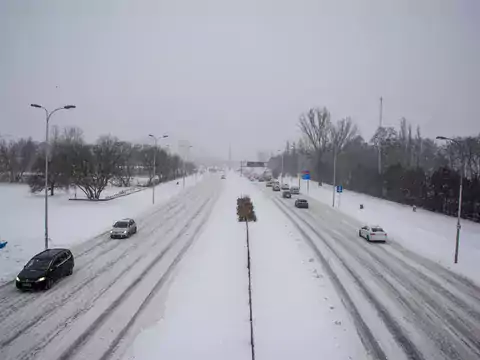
(123, 229)
(276, 187)
(295, 190)
(285, 187)
(373, 233)
(44, 269)
(269, 184)
(286, 194)
(261, 179)
(301, 203)
(223, 177)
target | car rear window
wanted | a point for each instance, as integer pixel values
(377, 229)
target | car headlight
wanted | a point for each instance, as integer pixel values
(41, 279)
(111, 231)
(125, 232)
(18, 279)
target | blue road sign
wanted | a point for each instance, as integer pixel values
(306, 176)
(339, 188)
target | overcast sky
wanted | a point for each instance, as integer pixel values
(217, 72)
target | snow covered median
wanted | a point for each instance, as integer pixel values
(205, 315)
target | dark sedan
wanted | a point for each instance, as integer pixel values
(44, 269)
(301, 203)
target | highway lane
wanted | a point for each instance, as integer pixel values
(112, 282)
(410, 307)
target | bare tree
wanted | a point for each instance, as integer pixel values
(315, 125)
(94, 166)
(340, 134)
(17, 157)
(61, 159)
(126, 164)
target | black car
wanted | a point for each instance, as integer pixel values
(44, 269)
(286, 194)
(301, 203)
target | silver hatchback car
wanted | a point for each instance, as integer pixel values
(123, 229)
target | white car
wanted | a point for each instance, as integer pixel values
(373, 233)
(295, 190)
(285, 187)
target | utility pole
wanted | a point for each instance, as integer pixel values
(463, 173)
(378, 140)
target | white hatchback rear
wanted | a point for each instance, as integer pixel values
(373, 233)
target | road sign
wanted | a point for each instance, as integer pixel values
(306, 176)
(255, 164)
(339, 189)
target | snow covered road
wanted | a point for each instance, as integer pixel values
(86, 315)
(404, 306)
(179, 290)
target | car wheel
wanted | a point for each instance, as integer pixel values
(70, 272)
(360, 234)
(48, 284)
(368, 237)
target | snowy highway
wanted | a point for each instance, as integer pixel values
(403, 306)
(178, 290)
(86, 315)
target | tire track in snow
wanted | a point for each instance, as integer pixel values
(83, 338)
(431, 315)
(11, 304)
(366, 336)
(449, 322)
(111, 350)
(55, 306)
(398, 333)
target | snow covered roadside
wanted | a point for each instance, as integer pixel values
(423, 232)
(297, 312)
(205, 313)
(70, 222)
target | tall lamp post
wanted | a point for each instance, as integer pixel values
(155, 138)
(48, 114)
(462, 175)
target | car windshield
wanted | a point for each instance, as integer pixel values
(121, 224)
(38, 264)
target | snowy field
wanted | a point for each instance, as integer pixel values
(426, 233)
(296, 312)
(70, 222)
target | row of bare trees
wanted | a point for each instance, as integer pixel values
(90, 167)
(396, 163)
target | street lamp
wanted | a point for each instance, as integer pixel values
(154, 162)
(48, 115)
(462, 175)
